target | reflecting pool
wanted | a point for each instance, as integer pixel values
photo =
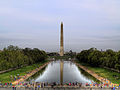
(63, 72)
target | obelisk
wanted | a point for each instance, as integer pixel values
(61, 41)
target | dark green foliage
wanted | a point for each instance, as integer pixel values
(71, 54)
(14, 57)
(94, 57)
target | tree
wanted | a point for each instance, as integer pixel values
(94, 57)
(13, 56)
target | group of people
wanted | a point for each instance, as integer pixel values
(54, 84)
(15, 77)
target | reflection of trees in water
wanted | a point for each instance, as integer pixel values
(52, 63)
(88, 75)
(37, 74)
(70, 63)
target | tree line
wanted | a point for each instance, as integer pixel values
(15, 57)
(96, 58)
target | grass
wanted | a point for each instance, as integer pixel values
(5, 77)
(104, 73)
(89, 76)
(37, 74)
(107, 74)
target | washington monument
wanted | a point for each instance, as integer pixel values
(61, 41)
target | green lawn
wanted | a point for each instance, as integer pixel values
(105, 73)
(5, 77)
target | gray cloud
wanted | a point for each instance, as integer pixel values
(87, 23)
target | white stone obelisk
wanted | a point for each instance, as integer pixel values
(61, 41)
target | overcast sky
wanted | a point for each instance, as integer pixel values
(36, 24)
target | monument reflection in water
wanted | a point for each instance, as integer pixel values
(63, 72)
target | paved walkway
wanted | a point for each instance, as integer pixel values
(30, 74)
(8, 70)
(103, 80)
